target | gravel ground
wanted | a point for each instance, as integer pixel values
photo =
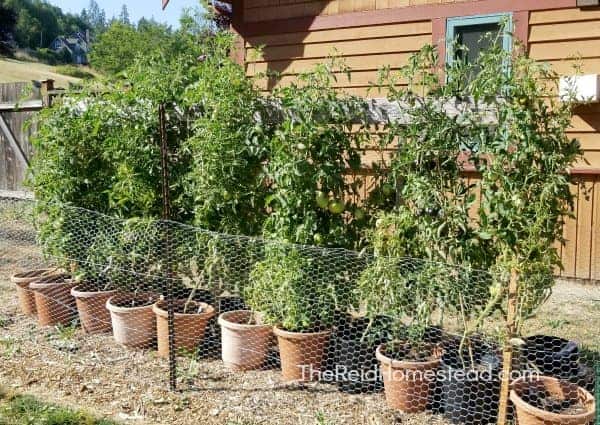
(94, 373)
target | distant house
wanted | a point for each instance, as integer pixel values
(75, 44)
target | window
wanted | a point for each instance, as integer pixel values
(469, 32)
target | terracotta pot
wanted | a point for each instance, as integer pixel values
(244, 346)
(528, 414)
(189, 327)
(407, 384)
(24, 294)
(133, 327)
(301, 353)
(91, 305)
(53, 300)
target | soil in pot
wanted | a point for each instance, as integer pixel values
(91, 305)
(470, 388)
(547, 400)
(191, 319)
(302, 354)
(53, 300)
(352, 347)
(133, 321)
(245, 340)
(409, 374)
(24, 294)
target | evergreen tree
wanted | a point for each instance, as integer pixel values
(8, 22)
(96, 18)
(124, 15)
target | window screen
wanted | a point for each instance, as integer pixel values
(470, 32)
(473, 38)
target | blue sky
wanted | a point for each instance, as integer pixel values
(137, 8)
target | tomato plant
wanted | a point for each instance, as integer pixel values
(225, 184)
(312, 151)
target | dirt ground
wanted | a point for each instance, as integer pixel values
(94, 373)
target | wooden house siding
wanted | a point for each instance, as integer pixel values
(365, 50)
(290, 36)
(564, 38)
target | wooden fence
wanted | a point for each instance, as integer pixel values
(19, 102)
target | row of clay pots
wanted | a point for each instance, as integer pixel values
(46, 294)
(52, 297)
(246, 342)
(24, 294)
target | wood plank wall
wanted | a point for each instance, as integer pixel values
(365, 50)
(564, 38)
(561, 37)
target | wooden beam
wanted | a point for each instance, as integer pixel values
(400, 15)
(508, 354)
(237, 27)
(588, 3)
(8, 134)
(27, 105)
(383, 111)
(16, 194)
(521, 27)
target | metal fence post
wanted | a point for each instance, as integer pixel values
(164, 150)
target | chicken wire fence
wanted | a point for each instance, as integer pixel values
(354, 322)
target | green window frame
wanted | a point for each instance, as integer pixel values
(454, 24)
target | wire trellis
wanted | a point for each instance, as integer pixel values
(396, 329)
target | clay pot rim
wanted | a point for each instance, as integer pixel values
(299, 335)
(78, 293)
(161, 312)
(405, 364)
(117, 309)
(590, 403)
(39, 285)
(226, 323)
(38, 273)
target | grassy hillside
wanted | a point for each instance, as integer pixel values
(13, 70)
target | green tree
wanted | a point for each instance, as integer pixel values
(8, 22)
(120, 44)
(38, 23)
(95, 18)
(124, 15)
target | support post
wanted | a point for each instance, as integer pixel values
(508, 354)
(45, 89)
(164, 160)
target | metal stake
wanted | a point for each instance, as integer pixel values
(164, 150)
